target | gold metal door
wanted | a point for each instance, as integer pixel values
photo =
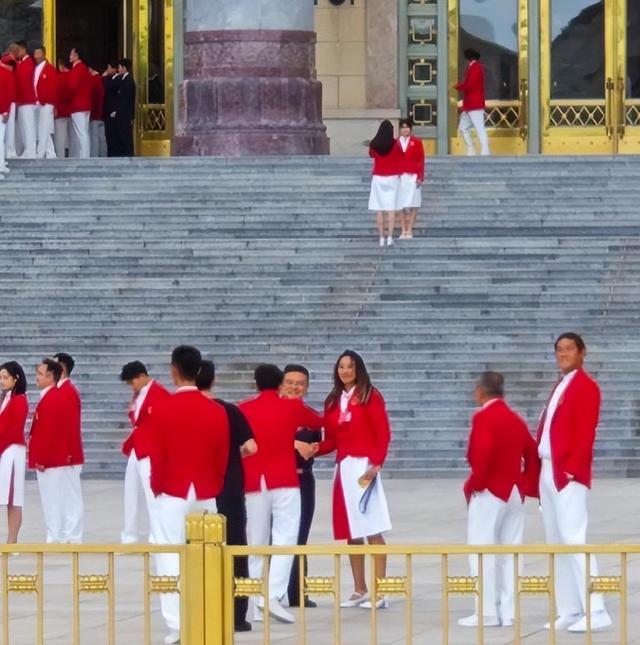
(499, 30)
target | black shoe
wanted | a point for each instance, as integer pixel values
(308, 603)
(244, 626)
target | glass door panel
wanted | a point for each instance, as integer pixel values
(628, 131)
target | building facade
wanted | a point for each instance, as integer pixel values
(563, 76)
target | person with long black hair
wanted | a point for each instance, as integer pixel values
(14, 409)
(385, 180)
(357, 428)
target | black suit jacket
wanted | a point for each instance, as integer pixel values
(126, 99)
(110, 105)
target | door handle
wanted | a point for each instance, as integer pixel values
(622, 108)
(524, 95)
(608, 108)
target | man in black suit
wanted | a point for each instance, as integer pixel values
(125, 112)
(111, 81)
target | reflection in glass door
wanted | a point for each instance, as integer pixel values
(498, 30)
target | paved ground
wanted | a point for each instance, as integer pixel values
(425, 511)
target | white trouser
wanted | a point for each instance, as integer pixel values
(79, 141)
(27, 129)
(138, 500)
(474, 119)
(490, 520)
(565, 518)
(168, 516)
(44, 147)
(62, 506)
(98, 140)
(273, 517)
(61, 137)
(3, 163)
(10, 134)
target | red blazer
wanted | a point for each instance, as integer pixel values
(472, 88)
(79, 88)
(366, 434)
(141, 437)
(191, 446)
(7, 90)
(25, 92)
(573, 430)
(97, 97)
(275, 422)
(47, 86)
(48, 445)
(71, 421)
(12, 422)
(386, 165)
(64, 96)
(502, 454)
(412, 161)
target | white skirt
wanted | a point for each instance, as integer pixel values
(12, 470)
(384, 193)
(375, 519)
(409, 193)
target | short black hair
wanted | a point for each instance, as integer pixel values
(112, 63)
(268, 377)
(22, 44)
(206, 376)
(471, 54)
(293, 367)
(407, 122)
(492, 383)
(15, 370)
(54, 367)
(187, 360)
(66, 360)
(78, 52)
(125, 62)
(571, 335)
(132, 370)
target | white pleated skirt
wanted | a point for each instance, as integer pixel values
(384, 193)
(13, 463)
(409, 193)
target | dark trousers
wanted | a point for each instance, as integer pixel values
(111, 135)
(233, 507)
(124, 129)
(307, 509)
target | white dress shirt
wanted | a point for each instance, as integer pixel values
(345, 397)
(36, 75)
(544, 449)
(43, 392)
(140, 399)
(404, 142)
(5, 401)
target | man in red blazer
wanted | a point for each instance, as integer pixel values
(189, 457)
(62, 113)
(473, 104)
(80, 88)
(148, 396)
(8, 63)
(96, 118)
(6, 91)
(504, 469)
(566, 434)
(46, 83)
(272, 485)
(25, 99)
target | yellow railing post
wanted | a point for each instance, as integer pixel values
(192, 578)
(215, 595)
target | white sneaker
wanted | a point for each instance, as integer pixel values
(381, 242)
(390, 241)
(279, 613)
(355, 600)
(599, 620)
(172, 637)
(402, 236)
(562, 622)
(472, 621)
(382, 603)
(409, 236)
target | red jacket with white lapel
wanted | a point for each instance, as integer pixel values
(502, 453)
(366, 434)
(141, 438)
(47, 85)
(275, 422)
(97, 97)
(25, 92)
(71, 421)
(387, 165)
(79, 82)
(12, 421)
(7, 90)
(573, 430)
(191, 446)
(413, 158)
(64, 96)
(48, 445)
(472, 88)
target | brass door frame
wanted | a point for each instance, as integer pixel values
(507, 122)
(627, 133)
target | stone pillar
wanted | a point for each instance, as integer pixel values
(250, 83)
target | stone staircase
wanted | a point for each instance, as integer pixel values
(276, 259)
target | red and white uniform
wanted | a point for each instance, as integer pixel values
(411, 151)
(360, 434)
(96, 121)
(80, 88)
(26, 103)
(62, 116)
(46, 86)
(138, 496)
(385, 180)
(8, 65)
(188, 462)
(473, 105)
(505, 467)
(566, 434)
(271, 480)
(13, 453)
(7, 104)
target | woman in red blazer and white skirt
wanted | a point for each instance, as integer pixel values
(409, 200)
(13, 417)
(385, 180)
(357, 428)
